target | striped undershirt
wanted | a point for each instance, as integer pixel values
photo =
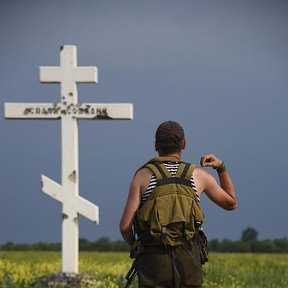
(172, 167)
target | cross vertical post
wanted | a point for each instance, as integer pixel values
(68, 74)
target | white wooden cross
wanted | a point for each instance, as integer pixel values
(69, 110)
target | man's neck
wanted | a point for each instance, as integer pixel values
(174, 155)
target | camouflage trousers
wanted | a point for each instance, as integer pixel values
(170, 267)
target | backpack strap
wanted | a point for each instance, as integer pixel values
(185, 170)
(182, 170)
(159, 170)
(159, 160)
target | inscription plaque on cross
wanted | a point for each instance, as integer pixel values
(68, 74)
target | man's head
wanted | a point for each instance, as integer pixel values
(169, 138)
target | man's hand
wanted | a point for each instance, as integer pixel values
(210, 160)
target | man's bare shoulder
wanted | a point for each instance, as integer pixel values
(201, 176)
(200, 173)
(142, 178)
(143, 173)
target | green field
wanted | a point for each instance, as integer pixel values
(20, 269)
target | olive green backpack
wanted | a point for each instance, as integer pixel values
(171, 211)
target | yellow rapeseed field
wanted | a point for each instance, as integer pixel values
(21, 269)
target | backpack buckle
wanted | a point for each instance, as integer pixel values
(163, 231)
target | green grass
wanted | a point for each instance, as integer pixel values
(246, 270)
(20, 269)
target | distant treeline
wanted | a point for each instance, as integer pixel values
(256, 246)
(104, 244)
(248, 244)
